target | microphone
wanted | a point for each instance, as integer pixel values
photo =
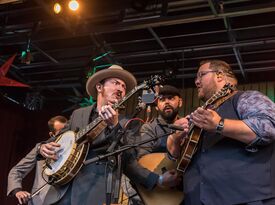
(148, 96)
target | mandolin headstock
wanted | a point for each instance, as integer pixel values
(153, 81)
(227, 88)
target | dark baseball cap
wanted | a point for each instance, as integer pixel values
(169, 90)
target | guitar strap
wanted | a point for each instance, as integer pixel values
(222, 100)
(215, 106)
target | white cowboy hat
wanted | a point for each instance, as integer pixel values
(114, 71)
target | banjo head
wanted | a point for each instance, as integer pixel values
(67, 144)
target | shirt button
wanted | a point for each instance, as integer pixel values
(203, 150)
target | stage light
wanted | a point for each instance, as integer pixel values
(57, 8)
(26, 56)
(73, 5)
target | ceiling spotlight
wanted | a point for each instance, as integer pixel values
(73, 5)
(57, 8)
(26, 56)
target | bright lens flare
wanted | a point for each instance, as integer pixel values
(57, 8)
(73, 5)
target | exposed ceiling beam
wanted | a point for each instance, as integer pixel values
(63, 85)
(101, 48)
(45, 53)
(52, 71)
(213, 7)
(180, 19)
(198, 48)
(58, 80)
(159, 21)
(157, 39)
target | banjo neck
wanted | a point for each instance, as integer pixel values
(94, 128)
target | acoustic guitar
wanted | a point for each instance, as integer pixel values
(158, 163)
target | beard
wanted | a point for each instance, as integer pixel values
(169, 117)
(111, 98)
(207, 92)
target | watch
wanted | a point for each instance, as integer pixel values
(220, 126)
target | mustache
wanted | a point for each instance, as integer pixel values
(118, 94)
(168, 107)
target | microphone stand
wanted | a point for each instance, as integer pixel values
(114, 163)
(123, 149)
(111, 159)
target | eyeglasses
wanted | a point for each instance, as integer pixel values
(203, 73)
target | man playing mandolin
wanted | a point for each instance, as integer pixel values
(107, 86)
(235, 158)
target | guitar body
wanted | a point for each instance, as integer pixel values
(156, 162)
(70, 161)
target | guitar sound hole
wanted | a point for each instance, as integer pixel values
(163, 170)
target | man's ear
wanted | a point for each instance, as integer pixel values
(99, 87)
(180, 102)
(220, 76)
(156, 107)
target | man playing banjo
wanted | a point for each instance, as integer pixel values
(107, 86)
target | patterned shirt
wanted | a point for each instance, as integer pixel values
(257, 111)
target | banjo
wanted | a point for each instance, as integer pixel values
(74, 146)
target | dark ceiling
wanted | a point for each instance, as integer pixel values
(155, 37)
